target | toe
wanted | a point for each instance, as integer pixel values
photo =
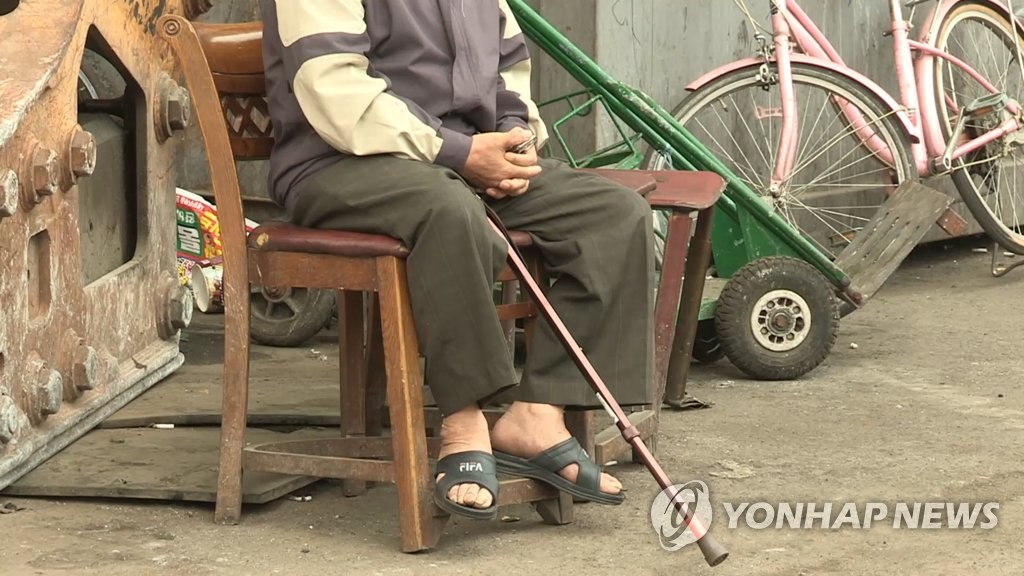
(484, 499)
(468, 494)
(610, 484)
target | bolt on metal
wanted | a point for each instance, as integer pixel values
(8, 192)
(8, 419)
(84, 372)
(50, 388)
(43, 172)
(175, 308)
(82, 153)
(174, 108)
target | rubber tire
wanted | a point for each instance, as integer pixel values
(707, 348)
(988, 221)
(315, 313)
(736, 303)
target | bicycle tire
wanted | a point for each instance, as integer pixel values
(804, 76)
(1003, 228)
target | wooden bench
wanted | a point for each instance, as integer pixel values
(223, 69)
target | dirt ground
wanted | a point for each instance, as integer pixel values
(922, 401)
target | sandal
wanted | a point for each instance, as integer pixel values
(471, 467)
(545, 467)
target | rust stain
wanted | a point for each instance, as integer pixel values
(145, 16)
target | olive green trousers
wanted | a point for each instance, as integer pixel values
(596, 242)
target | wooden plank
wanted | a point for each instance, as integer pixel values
(878, 250)
(178, 464)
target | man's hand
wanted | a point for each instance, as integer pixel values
(498, 172)
(516, 187)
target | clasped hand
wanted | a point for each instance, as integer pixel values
(495, 170)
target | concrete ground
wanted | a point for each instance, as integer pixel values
(927, 407)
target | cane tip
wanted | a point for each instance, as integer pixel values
(714, 553)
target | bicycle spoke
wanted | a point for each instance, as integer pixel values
(816, 212)
(818, 145)
(768, 146)
(813, 129)
(818, 179)
(744, 175)
(739, 148)
(833, 141)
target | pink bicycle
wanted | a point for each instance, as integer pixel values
(825, 145)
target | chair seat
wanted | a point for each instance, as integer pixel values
(285, 237)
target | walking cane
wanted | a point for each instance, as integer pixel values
(714, 553)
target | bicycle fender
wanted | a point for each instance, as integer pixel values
(824, 65)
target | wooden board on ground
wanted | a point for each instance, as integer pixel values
(149, 463)
(273, 402)
(277, 396)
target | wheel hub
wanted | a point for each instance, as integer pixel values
(780, 320)
(276, 294)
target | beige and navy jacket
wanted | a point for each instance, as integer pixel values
(411, 78)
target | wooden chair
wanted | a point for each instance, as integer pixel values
(223, 70)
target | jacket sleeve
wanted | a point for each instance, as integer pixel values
(515, 106)
(348, 104)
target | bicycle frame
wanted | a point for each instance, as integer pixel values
(920, 117)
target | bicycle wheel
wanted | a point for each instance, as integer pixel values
(990, 180)
(838, 183)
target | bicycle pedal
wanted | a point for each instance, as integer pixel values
(986, 105)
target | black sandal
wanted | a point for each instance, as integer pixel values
(545, 467)
(471, 467)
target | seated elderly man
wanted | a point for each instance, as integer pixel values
(404, 117)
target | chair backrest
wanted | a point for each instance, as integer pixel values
(223, 70)
(234, 54)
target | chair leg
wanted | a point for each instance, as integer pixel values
(351, 336)
(420, 529)
(234, 407)
(669, 293)
(376, 378)
(697, 259)
(509, 295)
(530, 322)
(558, 511)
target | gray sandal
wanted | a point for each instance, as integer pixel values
(545, 467)
(471, 467)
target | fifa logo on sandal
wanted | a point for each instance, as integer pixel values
(471, 467)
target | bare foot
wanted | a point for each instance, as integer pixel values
(526, 430)
(464, 431)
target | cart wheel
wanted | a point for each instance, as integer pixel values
(707, 348)
(777, 318)
(289, 316)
